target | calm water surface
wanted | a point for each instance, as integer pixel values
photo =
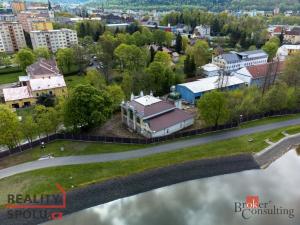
(208, 201)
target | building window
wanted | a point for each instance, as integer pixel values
(37, 94)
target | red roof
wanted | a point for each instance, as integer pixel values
(152, 109)
(277, 30)
(262, 70)
(168, 119)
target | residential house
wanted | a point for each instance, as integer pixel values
(292, 36)
(259, 74)
(153, 117)
(43, 78)
(236, 60)
(286, 50)
(192, 91)
(201, 31)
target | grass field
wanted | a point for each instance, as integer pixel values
(10, 77)
(36, 182)
(70, 148)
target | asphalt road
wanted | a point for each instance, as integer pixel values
(74, 160)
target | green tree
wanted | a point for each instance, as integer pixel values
(127, 85)
(271, 48)
(42, 53)
(163, 57)
(24, 58)
(178, 44)
(159, 37)
(65, 59)
(213, 108)
(96, 79)
(9, 128)
(81, 57)
(189, 66)
(29, 128)
(276, 98)
(116, 95)
(131, 57)
(201, 52)
(4, 59)
(87, 107)
(291, 74)
(169, 37)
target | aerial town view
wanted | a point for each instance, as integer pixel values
(143, 112)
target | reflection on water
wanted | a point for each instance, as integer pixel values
(207, 201)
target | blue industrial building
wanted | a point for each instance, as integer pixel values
(192, 91)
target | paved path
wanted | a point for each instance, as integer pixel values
(276, 150)
(73, 160)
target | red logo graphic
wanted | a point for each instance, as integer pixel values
(56, 216)
(252, 201)
(41, 205)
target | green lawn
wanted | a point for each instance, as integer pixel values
(269, 120)
(10, 77)
(36, 182)
(70, 148)
(73, 81)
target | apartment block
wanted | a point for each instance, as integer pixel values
(18, 6)
(54, 39)
(28, 18)
(11, 37)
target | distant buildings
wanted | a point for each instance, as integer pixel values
(43, 78)
(54, 39)
(292, 36)
(28, 18)
(259, 74)
(192, 91)
(286, 50)
(11, 37)
(153, 117)
(18, 6)
(235, 60)
(201, 31)
(210, 70)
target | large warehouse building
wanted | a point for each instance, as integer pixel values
(192, 91)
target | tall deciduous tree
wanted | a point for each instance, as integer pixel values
(213, 108)
(116, 95)
(24, 58)
(291, 73)
(96, 79)
(201, 52)
(276, 98)
(87, 107)
(178, 44)
(42, 53)
(9, 128)
(65, 59)
(29, 128)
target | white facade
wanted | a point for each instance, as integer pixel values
(202, 31)
(285, 50)
(53, 39)
(234, 61)
(210, 70)
(11, 37)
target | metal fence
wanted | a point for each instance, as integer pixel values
(123, 140)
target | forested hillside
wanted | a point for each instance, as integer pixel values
(209, 4)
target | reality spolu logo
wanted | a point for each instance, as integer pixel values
(25, 206)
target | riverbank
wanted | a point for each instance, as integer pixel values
(117, 188)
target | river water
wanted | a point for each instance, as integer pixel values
(209, 201)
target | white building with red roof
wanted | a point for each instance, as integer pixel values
(153, 117)
(257, 75)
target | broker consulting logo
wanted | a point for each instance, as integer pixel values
(253, 207)
(44, 206)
